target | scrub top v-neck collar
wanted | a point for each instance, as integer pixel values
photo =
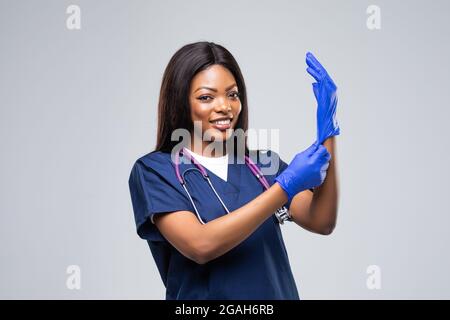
(217, 165)
(234, 176)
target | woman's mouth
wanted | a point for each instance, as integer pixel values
(221, 124)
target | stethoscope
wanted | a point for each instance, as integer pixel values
(282, 213)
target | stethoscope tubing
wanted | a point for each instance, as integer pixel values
(198, 167)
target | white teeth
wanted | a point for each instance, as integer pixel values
(222, 121)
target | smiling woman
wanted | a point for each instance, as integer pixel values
(213, 226)
(201, 84)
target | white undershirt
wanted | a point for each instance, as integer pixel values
(217, 165)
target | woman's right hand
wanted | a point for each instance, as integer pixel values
(307, 170)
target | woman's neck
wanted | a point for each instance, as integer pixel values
(209, 149)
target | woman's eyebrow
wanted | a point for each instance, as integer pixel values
(215, 90)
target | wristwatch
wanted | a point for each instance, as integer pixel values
(283, 215)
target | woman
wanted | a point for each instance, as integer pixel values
(226, 242)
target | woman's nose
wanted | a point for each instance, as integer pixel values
(223, 106)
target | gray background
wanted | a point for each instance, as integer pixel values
(79, 107)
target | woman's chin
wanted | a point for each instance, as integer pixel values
(219, 135)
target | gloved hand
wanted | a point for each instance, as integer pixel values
(307, 170)
(325, 93)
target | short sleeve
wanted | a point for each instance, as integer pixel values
(152, 193)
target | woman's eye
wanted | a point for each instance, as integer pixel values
(235, 95)
(204, 98)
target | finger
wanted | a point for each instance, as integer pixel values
(321, 149)
(313, 73)
(318, 154)
(323, 175)
(312, 65)
(312, 148)
(314, 61)
(327, 156)
(323, 152)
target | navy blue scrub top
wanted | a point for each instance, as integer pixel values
(257, 268)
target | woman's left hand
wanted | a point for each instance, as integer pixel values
(325, 93)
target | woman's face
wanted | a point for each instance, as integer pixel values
(215, 102)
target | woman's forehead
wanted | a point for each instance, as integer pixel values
(215, 77)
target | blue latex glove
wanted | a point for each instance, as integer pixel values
(325, 93)
(307, 170)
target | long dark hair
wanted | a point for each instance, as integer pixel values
(174, 109)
